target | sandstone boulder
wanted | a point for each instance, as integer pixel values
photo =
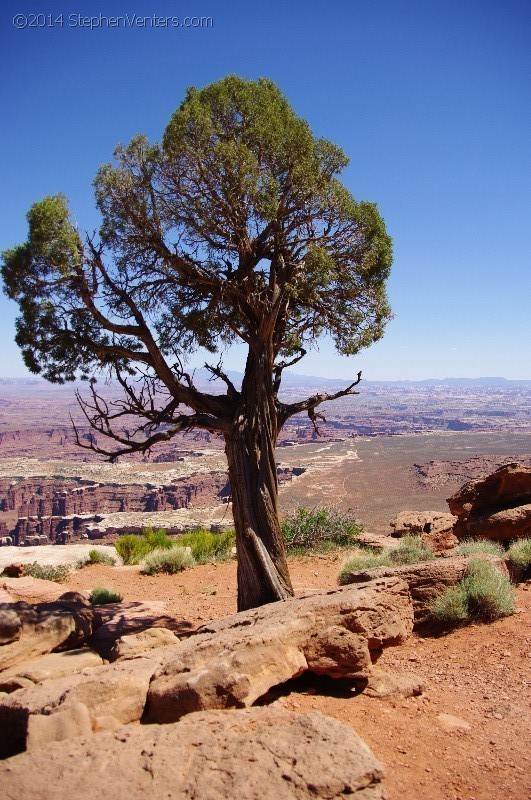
(235, 660)
(31, 630)
(435, 528)
(137, 643)
(426, 579)
(255, 754)
(495, 507)
(33, 590)
(111, 695)
(123, 619)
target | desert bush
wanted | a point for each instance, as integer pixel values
(472, 547)
(484, 594)
(361, 561)
(157, 539)
(100, 596)
(319, 529)
(410, 550)
(131, 548)
(206, 546)
(490, 594)
(519, 554)
(451, 607)
(47, 572)
(169, 560)
(96, 557)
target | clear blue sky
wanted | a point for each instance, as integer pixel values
(431, 100)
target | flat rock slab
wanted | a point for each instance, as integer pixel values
(426, 579)
(51, 665)
(255, 754)
(32, 590)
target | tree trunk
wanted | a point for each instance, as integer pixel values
(250, 448)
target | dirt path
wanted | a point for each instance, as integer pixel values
(478, 675)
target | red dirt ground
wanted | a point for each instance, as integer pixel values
(479, 674)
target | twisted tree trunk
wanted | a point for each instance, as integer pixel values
(250, 448)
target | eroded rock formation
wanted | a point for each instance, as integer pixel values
(495, 507)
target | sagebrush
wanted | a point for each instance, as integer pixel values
(206, 546)
(100, 596)
(319, 529)
(47, 572)
(171, 560)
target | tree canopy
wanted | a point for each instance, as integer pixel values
(235, 227)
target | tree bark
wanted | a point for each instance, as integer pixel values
(250, 448)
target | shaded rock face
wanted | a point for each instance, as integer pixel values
(495, 507)
(31, 630)
(427, 579)
(228, 664)
(256, 754)
(436, 529)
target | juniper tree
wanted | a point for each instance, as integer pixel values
(235, 228)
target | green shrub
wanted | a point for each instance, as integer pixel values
(451, 607)
(484, 594)
(206, 546)
(47, 572)
(410, 550)
(96, 557)
(167, 560)
(490, 594)
(472, 547)
(158, 539)
(319, 529)
(132, 549)
(100, 596)
(359, 563)
(519, 553)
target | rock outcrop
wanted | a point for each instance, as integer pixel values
(234, 661)
(495, 507)
(255, 754)
(32, 630)
(426, 579)
(229, 663)
(435, 528)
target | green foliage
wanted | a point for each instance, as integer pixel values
(359, 562)
(490, 594)
(451, 607)
(96, 557)
(474, 547)
(131, 548)
(483, 594)
(157, 539)
(236, 165)
(167, 560)
(100, 596)
(206, 546)
(410, 550)
(47, 572)
(519, 553)
(319, 529)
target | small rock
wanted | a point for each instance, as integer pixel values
(452, 723)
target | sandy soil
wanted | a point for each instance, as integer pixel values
(479, 675)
